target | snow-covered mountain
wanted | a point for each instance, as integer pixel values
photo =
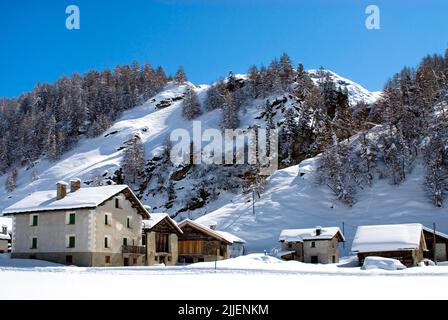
(100, 157)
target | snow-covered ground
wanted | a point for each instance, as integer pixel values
(293, 201)
(250, 277)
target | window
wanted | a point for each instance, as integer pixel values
(106, 242)
(71, 241)
(134, 261)
(334, 259)
(128, 222)
(34, 243)
(107, 260)
(162, 242)
(34, 220)
(4, 230)
(68, 259)
(125, 241)
(117, 203)
(71, 218)
(314, 259)
(107, 219)
(313, 244)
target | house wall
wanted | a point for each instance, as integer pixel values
(3, 246)
(89, 230)
(406, 257)
(324, 250)
(51, 232)
(153, 257)
(117, 228)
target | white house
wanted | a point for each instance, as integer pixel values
(311, 245)
(98, 226)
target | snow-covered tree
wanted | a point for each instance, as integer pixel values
(11, 180)
(180, 77)
(191, 108)
(229, 112)
(134, 160)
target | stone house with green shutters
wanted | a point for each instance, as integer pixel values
(98, 226)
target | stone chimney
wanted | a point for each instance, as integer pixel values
(75, 185)
(212, 226)
(61, 188)
(318, 231)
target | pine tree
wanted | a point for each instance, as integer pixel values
(134, 158)
(230, 112)
(191, 108)
(286, 72)
(180, 77)
(11, 180)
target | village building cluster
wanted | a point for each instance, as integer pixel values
(109, 226)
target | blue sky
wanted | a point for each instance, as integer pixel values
(211, 37)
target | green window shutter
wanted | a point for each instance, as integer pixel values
(71, 242)
(106, 221)
(125, 241)
(35, 220)
(128, 222)
(106, 244)
(72, 218)
(34, 244)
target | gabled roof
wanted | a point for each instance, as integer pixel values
(219, 235)
(300, 235)
(391, 237)
(156, 218)
(83, 198)
(438, 233)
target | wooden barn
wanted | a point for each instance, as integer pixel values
(199, 243)
(436, 242)
(404, 242)
(160, 236)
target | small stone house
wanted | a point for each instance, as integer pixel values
(99, 226)
(436, 242)
(160, 236)
(312, 245)
(199, 243)
(404, 242)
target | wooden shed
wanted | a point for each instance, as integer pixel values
(404, 242)
(199, 243)
(436, 242)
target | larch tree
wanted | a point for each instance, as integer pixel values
(191, 108)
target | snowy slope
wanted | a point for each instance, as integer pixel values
(293, 201)
(153, 122)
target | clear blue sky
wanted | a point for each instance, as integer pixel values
(211, 37)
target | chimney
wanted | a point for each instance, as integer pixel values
(213, 226)
(318, 231)
(75, 185)
(61, 188)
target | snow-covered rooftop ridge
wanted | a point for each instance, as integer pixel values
(440, 234)
(156, 218)
(392, 237)
(356, 92)
(300, 235)
(82, 198)
(216, 233)
(230, 237)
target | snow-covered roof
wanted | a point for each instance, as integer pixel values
(300, 235)
(221, 235)
(82, 198)
(5, 236)
(391, 237)
(155, 218)
(230, 237)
